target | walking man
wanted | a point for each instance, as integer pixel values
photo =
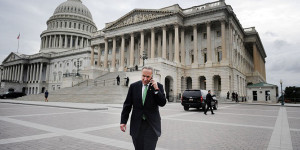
(118, 80)
(208, 103)
(143, 98)
(46, 96)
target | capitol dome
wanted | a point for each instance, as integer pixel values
(73, 7)
(70, 27)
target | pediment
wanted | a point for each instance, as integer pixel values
(12, 57)
(137, 16)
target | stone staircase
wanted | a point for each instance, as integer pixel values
(84, 94)
(103, 89)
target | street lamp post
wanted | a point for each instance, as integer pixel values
(282, 101)
(144, 57)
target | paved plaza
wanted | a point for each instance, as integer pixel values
(234, 126)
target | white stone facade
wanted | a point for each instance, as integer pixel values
(203, 47)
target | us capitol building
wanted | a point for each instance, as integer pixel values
(202, 47)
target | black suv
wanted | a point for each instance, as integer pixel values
(12, 95)
(196, 99)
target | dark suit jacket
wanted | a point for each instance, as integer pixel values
(150, 108)
(208, 98)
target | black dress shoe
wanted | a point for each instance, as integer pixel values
(205, 114)
(213, 113)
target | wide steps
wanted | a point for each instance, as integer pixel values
(81, 94)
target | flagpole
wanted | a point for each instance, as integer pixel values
(18, 42)
(18, 47)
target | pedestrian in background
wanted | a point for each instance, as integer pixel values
(118, 80)
(209, 99)
(46, 96)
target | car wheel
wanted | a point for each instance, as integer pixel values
(216, 106)
(186, 108)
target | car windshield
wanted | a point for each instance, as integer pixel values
(192, 93)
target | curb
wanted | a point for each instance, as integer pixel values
(58, 106)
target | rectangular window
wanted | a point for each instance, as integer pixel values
(192, 38)
(205, 58)
(74, 25)
(204, 36)
(219, 56)
(65, 24)
(70, 25)
(218, 33)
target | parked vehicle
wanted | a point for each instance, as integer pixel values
(196, 99)
(12, 95)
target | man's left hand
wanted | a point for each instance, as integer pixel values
(154, 84)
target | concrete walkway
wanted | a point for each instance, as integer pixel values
(84, 106)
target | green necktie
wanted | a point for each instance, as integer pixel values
(145, 93)
(144, 98)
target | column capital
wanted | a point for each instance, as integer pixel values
(194, 25)
(223, 20)
(176, 25)
(208, 23)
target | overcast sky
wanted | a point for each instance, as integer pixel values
(277, 22)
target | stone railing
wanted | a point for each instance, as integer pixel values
(202, 7)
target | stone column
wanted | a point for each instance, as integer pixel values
(71, 42)
(50, 41)
(41, 72)
(47, 72)
(170, 46)
(21, 74)
(92, 55)
(142, 50)
(164, 43)
(41, 46)
(121, 68)
(209, 51)
(18, 72)
(131, 56)
(158, 45)
(105, 53)
(99, 56)
(54, 42)
(76, 42)
(14, 73)
(195, 35)
(37, 72)
(149, 47)
(10, 73)
(113, 61)
(60, 41)
(182, 47)
(152, 43)
(81, 44)
(176, 42)
(255, 58)
(223, 33)
(33, 73)
(66, 41)
(28, 71)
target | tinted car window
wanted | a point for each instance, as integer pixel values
(192, 94)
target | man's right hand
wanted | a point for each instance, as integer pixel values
(123, 127)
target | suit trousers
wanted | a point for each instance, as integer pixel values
(208, 107)
(146, 139)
